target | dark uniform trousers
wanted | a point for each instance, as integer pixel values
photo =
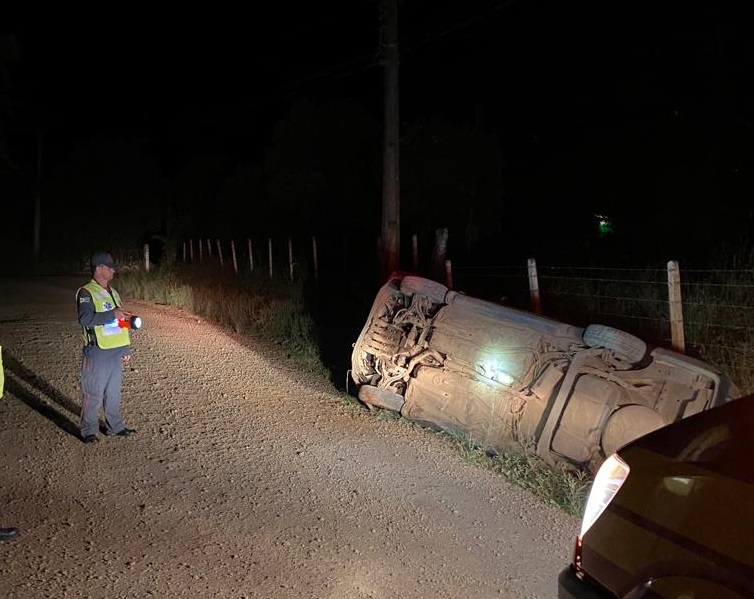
(101, 377)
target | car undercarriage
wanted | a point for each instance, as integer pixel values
(501, 377)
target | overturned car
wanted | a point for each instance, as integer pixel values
(503, 378)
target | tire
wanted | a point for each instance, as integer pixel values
(381, 398)
(624, 344)
(435, 291)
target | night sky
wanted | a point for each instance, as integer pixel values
(638, 111)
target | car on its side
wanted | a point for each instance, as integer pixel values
(671, 514)
(505, 378)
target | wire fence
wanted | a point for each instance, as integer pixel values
(717, 305)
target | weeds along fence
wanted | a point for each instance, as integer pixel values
(706, 313)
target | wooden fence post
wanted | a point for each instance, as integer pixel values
(439, 253)
(269, 253)
(536, 304)
(146, 257)
(677, 336)
(219, 252)
(448, 275)
(191, 249)
(415, 251)
(233, 254)
(201, 245)
(209, 250)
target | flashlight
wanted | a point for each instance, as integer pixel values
(132, 322)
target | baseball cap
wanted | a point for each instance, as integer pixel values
(102, 258)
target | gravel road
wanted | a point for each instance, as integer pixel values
(246, 479)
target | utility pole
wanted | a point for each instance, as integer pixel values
(391, 204)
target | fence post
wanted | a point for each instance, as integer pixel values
(219, 252)
(439, 253)
(201, 250)
(290, 257)
(676, 307)
(269, 253)
(191, 249)
(448, 275)
(315, 259)
(415, 251)
(233, 254)
(536, 304)
(146, 257)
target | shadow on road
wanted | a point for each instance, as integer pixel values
(39, 395)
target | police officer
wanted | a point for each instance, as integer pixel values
(106, 350)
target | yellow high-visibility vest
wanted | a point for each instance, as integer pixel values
(110, 335)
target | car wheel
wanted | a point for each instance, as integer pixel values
(381, 398)
(426, 287)
(624, 344)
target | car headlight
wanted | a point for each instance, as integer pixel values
(609, 479)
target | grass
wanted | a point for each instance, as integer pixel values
(560, 486)
(719, 324)
(270, 310)
(565, 488)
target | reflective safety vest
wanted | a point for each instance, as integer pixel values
(110, 335)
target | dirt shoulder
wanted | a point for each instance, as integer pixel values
(244, 479)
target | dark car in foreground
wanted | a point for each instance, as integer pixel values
(672, 514)
(504, 378)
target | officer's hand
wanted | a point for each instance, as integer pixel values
(126, 358)
(121, 314)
